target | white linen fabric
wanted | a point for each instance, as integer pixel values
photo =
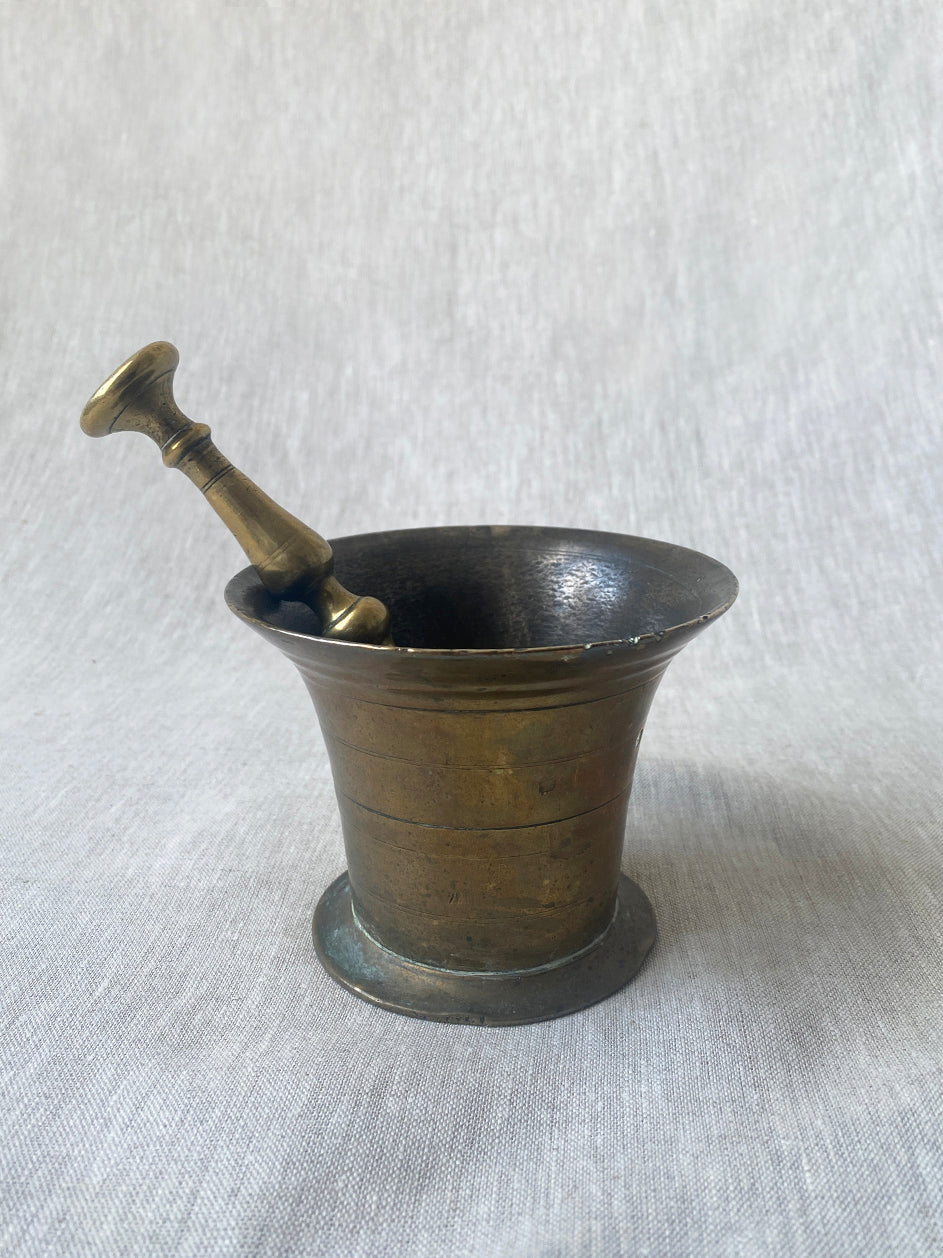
(662, 269)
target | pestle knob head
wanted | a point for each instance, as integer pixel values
(115, 406)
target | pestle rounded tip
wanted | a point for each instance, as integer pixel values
(138, 373)
(365, 620)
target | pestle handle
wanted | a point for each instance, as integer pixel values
(291, 559)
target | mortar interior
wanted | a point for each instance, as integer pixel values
(500, 587)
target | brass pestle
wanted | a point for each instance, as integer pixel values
(291, 559)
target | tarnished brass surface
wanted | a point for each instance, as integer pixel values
(483, 767)
(291, 559)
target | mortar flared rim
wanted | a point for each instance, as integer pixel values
(251, 602)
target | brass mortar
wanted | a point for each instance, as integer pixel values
(483, 764)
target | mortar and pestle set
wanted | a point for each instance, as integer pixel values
(482, 702)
